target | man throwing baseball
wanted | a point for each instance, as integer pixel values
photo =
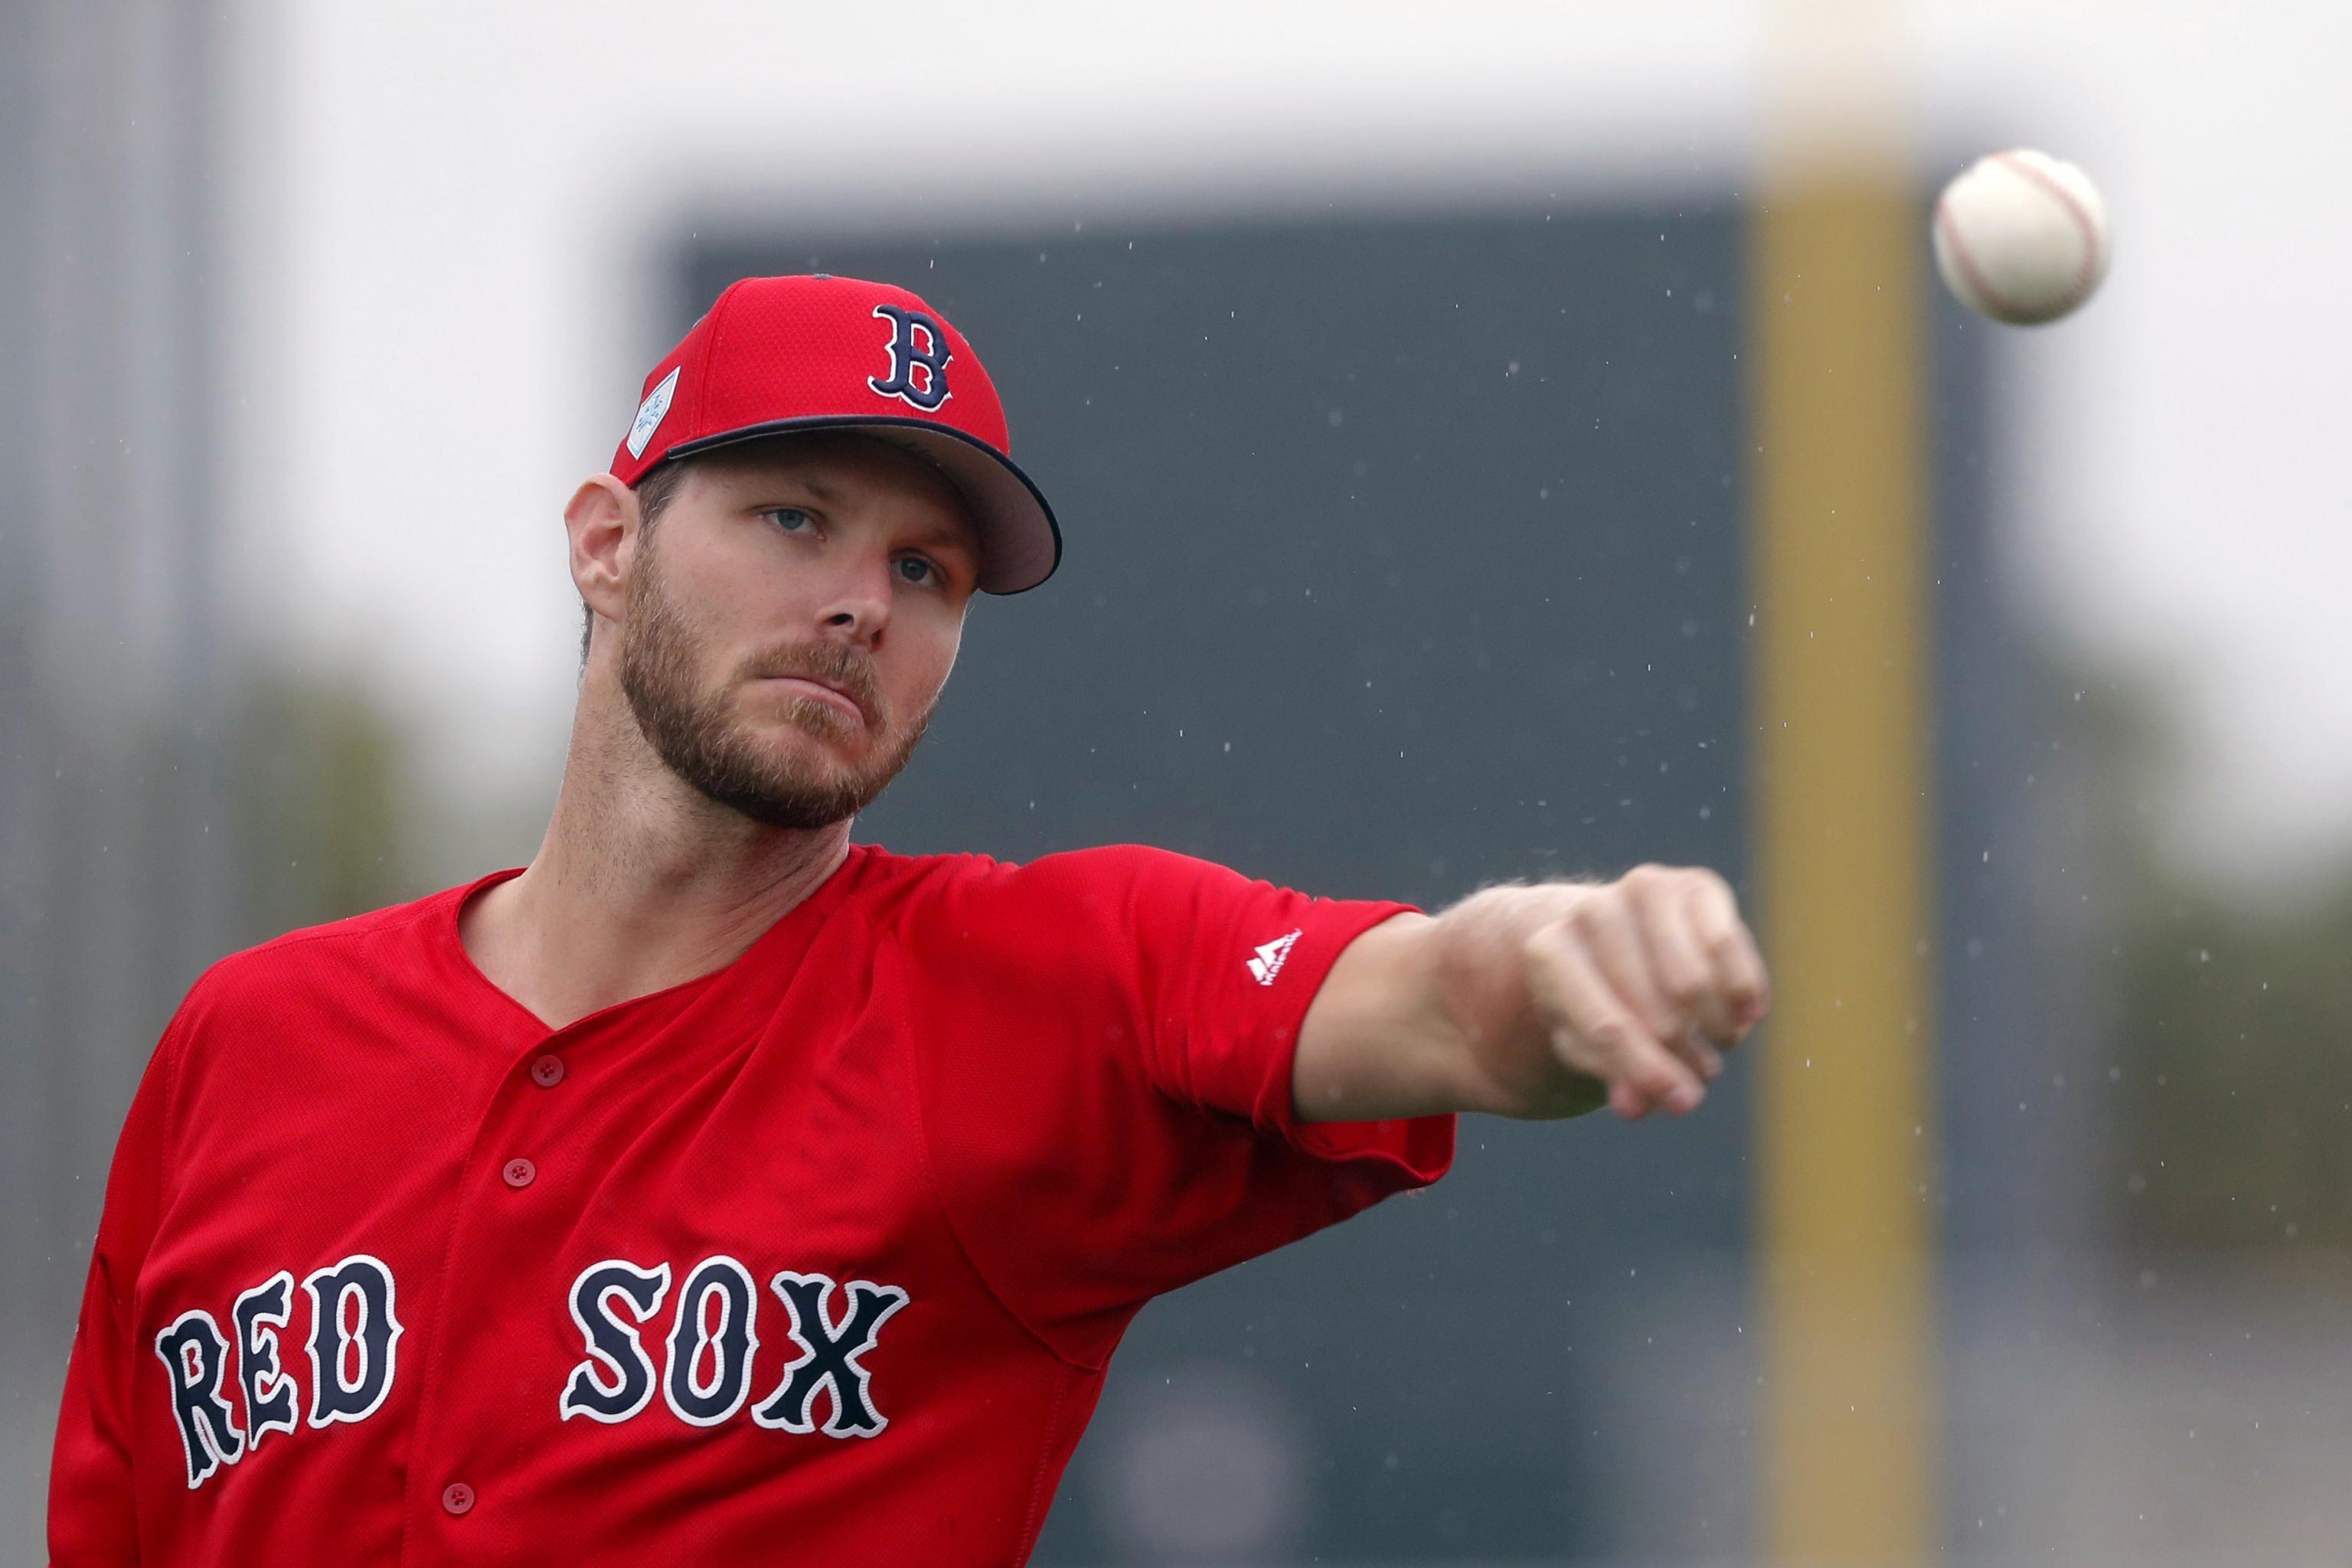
(715, 1190)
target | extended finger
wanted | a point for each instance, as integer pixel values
(1594, 1032)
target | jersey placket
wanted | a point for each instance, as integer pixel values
(505, 1228)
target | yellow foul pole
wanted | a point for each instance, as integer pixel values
(1843, 809)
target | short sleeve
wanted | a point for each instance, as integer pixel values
(1108, 1101)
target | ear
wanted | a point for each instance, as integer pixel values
(602, 521)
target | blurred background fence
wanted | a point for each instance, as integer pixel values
(1396, 378)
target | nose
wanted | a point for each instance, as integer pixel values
(857, 606)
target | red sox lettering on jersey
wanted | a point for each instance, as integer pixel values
(353, 1339)
(612, 1300)
(703, 1378)
(830, 1247)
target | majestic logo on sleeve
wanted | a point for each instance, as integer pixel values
(706, 1371)
(1270, 957)
(354, 1333)
(919, 359)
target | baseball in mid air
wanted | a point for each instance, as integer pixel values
(2021, 236)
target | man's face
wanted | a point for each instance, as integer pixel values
(792, 619)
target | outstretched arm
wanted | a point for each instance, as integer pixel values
(1541, 1001)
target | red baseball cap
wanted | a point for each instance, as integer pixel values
(821, 353)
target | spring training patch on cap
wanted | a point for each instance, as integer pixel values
(650, 413)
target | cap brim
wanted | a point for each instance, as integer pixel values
(1020, 543)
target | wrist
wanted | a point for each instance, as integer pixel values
(1500, 1046)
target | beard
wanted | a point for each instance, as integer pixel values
(701, 738)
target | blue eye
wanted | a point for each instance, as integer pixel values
(790, 519)
(914, 569)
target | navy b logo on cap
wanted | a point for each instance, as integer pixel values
(908, 354)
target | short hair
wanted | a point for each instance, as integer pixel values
(655, 489)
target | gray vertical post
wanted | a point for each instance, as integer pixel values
(117, 880)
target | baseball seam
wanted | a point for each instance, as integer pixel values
(2086, 273)
(1949, 227)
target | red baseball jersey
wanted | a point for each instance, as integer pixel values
(818, 1257)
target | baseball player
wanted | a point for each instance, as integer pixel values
(714, 1189)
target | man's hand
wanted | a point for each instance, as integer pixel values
(1542, 1001)
(1640, 985)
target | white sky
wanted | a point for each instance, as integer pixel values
(444, 209)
